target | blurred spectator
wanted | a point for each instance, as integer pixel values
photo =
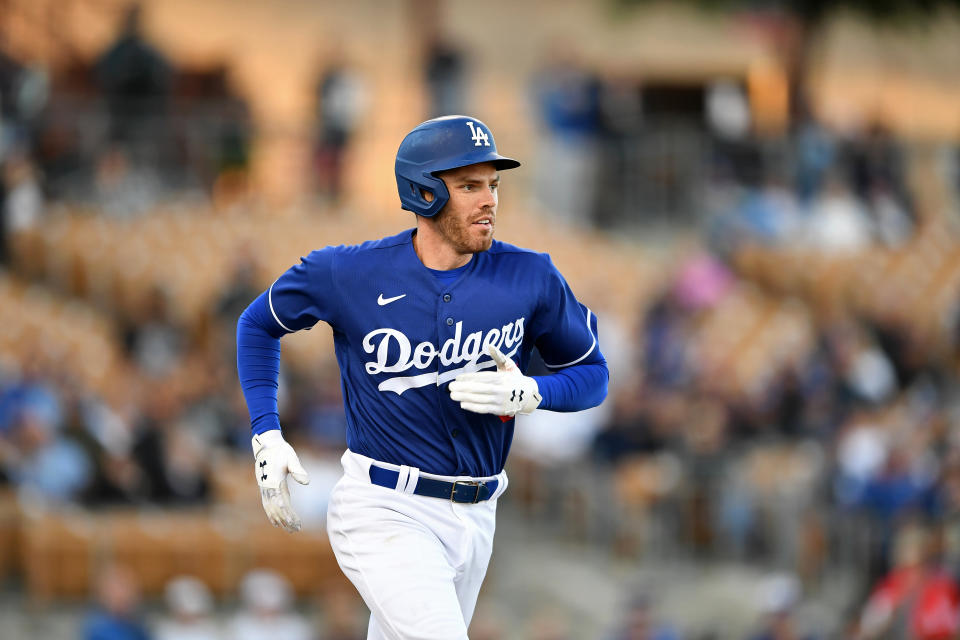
(29, 388)
(23, 205)
(567, 101)
(666, 336)
(863, 368)
(862, 451)
(728, 112)
(189, 608)
(36, 454)
(22, 213)
(341, 106)
(767, 215)
(633, 426)
(174, 460)
(701, 282)
(875, 159)
(815, 156)
(46, 463)
(123, 189)
(229, 147)
(24, 90)
(117, 616)
(638, 623)
(107, 438)
(11, 71)
(622, 131)
(837, 221)
(242, 287)
(136, 80)
(899, 341)
(917, 599)
(779, 596)
(445, 71)
(267, 610)
(155, 342)
(893, 221)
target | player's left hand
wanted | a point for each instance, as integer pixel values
(504, 392)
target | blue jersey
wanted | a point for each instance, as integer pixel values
(402, 334)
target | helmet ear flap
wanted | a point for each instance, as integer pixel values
(438, 189)
(412, 194)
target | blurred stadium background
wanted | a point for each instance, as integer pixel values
(759, 199)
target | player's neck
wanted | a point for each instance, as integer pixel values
(435, 252)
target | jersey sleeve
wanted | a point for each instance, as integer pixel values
(305, 294)
(565, 331)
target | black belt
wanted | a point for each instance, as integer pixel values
(462, 491)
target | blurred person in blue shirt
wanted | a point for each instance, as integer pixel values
(638, 623)
(116, 616)
(566, 97)
(37, 455)
(46, 462)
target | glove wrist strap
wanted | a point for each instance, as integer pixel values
(270, 438)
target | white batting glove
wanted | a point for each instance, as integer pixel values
(504, 392)
(275, 459)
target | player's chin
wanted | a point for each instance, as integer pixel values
(482, 241)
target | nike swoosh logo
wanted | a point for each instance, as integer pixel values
(382, 301)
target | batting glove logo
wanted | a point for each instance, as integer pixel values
(504, 392)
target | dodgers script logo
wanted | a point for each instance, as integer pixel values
(508, 339)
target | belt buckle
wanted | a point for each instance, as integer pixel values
(476, 497)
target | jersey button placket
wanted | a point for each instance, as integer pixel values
(447, 297)
(449, 322)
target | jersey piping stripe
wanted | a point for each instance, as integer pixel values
(589, 351)
(270, 300)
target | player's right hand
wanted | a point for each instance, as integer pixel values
(275, 458)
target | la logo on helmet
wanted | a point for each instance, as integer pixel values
(478, 135)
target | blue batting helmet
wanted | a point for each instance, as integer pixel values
(436, 145)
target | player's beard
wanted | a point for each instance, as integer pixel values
(462, 235)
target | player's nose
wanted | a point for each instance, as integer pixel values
(488, 199)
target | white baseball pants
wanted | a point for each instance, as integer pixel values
(418, 562)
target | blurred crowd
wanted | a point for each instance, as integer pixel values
(265, 608)
(846, 455)
(619, 150)
(118, 134)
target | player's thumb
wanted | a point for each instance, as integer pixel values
(297, 471)
(503, 362)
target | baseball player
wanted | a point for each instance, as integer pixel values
(433, 328)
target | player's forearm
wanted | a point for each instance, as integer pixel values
(258, 366)
(574, 388)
